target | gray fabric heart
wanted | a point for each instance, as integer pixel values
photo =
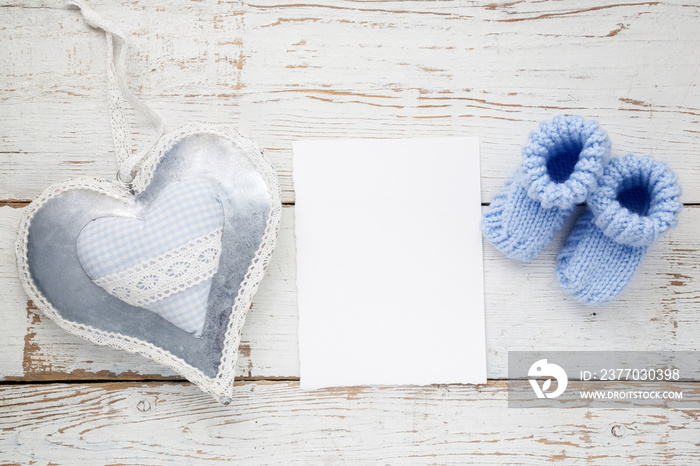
(237, 182)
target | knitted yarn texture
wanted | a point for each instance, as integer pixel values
(636, 201)
(562, 161)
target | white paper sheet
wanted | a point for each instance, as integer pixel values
(389, 262)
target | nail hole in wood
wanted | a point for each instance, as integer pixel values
(143, 406)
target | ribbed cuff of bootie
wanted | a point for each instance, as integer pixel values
(563, 160)
(561, 163)
(636, 201)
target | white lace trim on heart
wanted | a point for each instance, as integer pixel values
(172, 272)
(220, 386)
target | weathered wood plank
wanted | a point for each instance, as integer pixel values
(276, 423)
(525, 309)
(12, 298)
(282, 71)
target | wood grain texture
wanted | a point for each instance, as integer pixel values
(281, 71)
(525, 310)
(276, 423)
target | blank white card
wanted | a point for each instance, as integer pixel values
(389, 262)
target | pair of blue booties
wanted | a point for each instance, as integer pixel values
(630, 202)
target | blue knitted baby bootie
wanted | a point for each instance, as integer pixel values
(636, 200)
(561, 163)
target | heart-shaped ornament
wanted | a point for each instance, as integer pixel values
(165, 262)
(166, 266)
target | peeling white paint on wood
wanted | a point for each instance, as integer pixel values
(281, 71)
(13, 321)
(525, 310)
(276, 423)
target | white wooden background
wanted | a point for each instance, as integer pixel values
(281, 71)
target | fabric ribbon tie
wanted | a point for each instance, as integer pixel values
(117, 46)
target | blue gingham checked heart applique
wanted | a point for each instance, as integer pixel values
(165, 262)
